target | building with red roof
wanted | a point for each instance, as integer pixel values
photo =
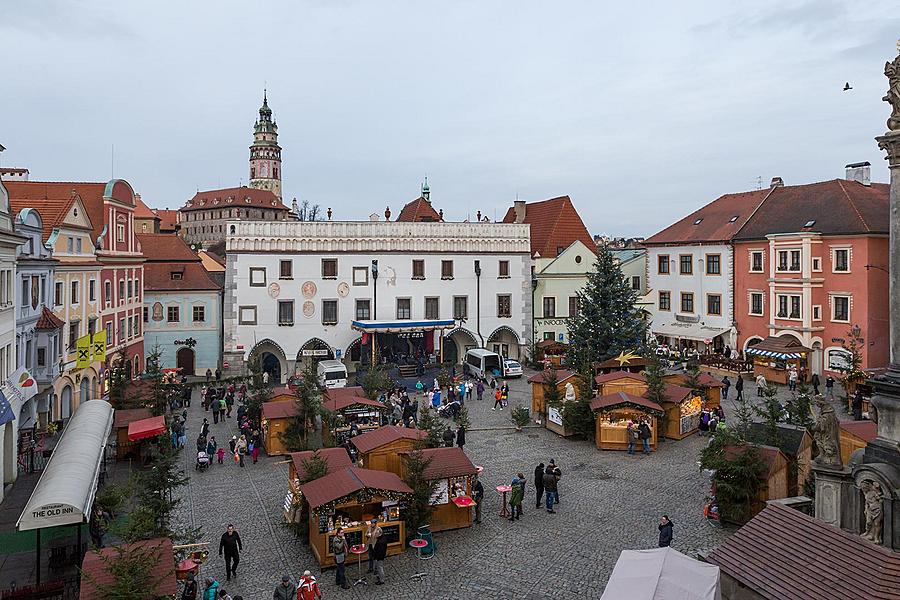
(182, 306)
(145, 219)
(204, 218)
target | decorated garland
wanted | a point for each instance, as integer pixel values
(363, 496)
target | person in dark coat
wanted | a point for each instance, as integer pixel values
(857, 405)
(814, 380)
(538, 485)
(727, 386)
(231, 545)
(379, 551)
(190, 588)
(449, 436)
(550, 480)
(460, 436)
(478, 497)
(739, 388)
(665, 531)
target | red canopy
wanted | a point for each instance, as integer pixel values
(146, 428)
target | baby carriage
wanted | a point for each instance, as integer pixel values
(203, 461)
(449, 411)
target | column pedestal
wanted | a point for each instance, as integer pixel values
(837, 499)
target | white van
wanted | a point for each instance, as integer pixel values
(332, 373)
(480, 363)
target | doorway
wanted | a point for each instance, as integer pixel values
(272, 366)
(184, 360)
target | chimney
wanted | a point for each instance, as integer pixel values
(777, 182)
(519, 207)
(860, 172)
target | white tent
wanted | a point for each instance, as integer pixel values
(662, 574)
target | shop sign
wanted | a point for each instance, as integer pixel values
(411, 334)
(837, 340)
(554, 416)
(55, 514)
(315, 352)
(838, 360)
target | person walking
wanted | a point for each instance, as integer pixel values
(218, 375)
(645, 434)
(814, 380)
(558, 474)
(665, 531)
(792, 379)
(284, 590)
(538, 485)
(211, 446)
(857, 405)
(478, 497)
(230, 544)
(550, 487)
(379, 550)
(829, 387)
(479, 390)
(212, 589)
(208, 375)
(308, 588)
(760, 385)
(516, 496)
(504, 389)
(460, 436)
(373, 532)
(727, 386)
(631, 434)
(241, 448)
(449, 438)
(739, 388)
(189, 592)
(222, 406)
(340, 549)
(214, 405)
(498, 399)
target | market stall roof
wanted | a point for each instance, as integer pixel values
(705, 379)
(123, 417)
(783, 347)
(768, 454)
(688, 331)
(662, 574)
(345, 402)
(447, 462)
(343, 483)
(279, 409)
(354, 391)
(864, 430)
(783, 553)
(677, 393)
(620, 399)
(552, 347)
(386, 435)
(399, 326)
(146, 428)
(790, 437)
(616, 375)
(162, 570)
(336, 458)
(65, 492)
(561, 376)
(623, 361)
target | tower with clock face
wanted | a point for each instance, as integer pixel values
(265, 153)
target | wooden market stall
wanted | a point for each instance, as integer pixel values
(797, 445)
(621, 381)
(626, 361)
(539, 409)
(349, 498)
(380, 449)
(683, 410)
(276, 416)
(774, 356)
(335, 459)
(122, 419)
(351, 413)
(551, 353)
(157, 556)
(613, 413)
(454, 472)
(774, 478)
(713, 386)
(856, 435)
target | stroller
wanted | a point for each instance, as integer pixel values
(449, 411)
(203, 461)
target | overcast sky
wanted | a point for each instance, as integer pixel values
(640, 111)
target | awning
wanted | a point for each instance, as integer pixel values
(662, 574)
(688, 331)
(400, 326)
(146, 428)
(65, 492)
(779, 347)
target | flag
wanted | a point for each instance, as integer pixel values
(83, 352)
(23, 384)
(6, 412)
(98, 346)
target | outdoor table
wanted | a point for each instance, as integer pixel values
(503, 489)
(359, 550)
(463, 501)
(418, 544)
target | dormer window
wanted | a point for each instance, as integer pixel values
(733, 219)
(177, 275)
(810, 223)
(698, 221)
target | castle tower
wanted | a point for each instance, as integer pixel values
(265, 153)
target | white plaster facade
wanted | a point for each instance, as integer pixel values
(691, 306)
(557, 280)
(412, 263)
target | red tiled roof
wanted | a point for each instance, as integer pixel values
(677, 393)
(615, 375)
(615, 399)
(168, 219)
(142, 211)
(162, 579)
(784, 554)
(555, 225)
(447, 462)
(386, 435)
(51, 200)
(339, 404)
(165, 247)
(705, 378)
(234, 198)
(48, 320)
(561, 375)
(347, 481)
(279, 409)
(838, 207)
(420, 210)
(125, 416)
(158, 277)
(715, 220)
(864, 430)
(336, 458)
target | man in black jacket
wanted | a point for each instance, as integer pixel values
(231, 545)
(550, 486)
(478, 497)
(538, 484)
(665, 531)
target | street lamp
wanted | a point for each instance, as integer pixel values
(478, 301)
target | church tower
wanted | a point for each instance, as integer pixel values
(265, 153)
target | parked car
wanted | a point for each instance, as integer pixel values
(511, 368)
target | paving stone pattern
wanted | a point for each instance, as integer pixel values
(610, 502)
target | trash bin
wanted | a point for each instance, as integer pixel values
(425, 534)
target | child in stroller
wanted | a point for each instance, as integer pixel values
(450, 410)
(203, 461)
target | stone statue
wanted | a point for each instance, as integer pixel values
(892, 71)
(570, 392)
(826, 432)
(874, 509)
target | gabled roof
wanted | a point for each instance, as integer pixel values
(279, 409)
(782, 553)
(791, 436)
(837, 207)
(142, 211)
(561, 376)
(677, 393)
(161, 581)
(447, 462)
(768, 454)
(335, 458)
(385, 435)
(864, 430)
(168, 219)
(419, 210)
(237, 197)
(194, 278)
(715, 220)
(122, 417)
(555, 224)
(344, 482)
(705, 379)
(165, 247)
(616, 375)
(48, 320)
(52, 200)
(617, 399)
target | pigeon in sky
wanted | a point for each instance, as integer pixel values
(847, 86)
